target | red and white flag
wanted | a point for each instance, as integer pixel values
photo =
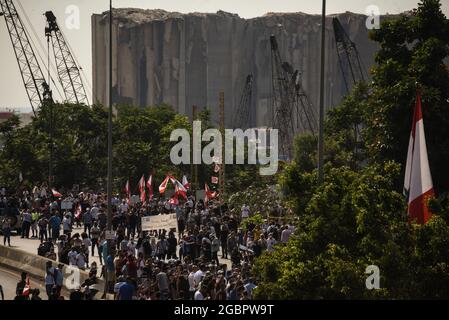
(143, 195)
(150, 187)
(128, 191)
(178, 185)
(26, 289)
(418, 185)
(185, 183)
(209, 194)
(164, 184)
(56, 193)
(214, 180)
(78, 211)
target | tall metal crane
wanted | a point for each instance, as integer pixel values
(350, 66)
(38, 90)
(68, 71)
(348, 56)
(281, 105)
(242, 117)
(292, 110)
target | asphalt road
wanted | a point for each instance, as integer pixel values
(9, 279)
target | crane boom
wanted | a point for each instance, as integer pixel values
(348, 56)
(292, 111)
(68, 71)
(37, 89)
(242, 118)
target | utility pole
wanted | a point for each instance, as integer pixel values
(321, 119)
(109, 186)
(221, 177)
(109, 182)
(193, 166)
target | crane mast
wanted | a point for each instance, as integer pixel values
(242, 118)
(292, 111)
(37, 89)
(68, 71)
(348, 56)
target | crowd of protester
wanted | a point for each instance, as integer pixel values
(209, 256)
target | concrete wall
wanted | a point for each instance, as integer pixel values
(35, 265)
(186, 59)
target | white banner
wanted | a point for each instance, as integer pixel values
(66, 205)
(160, 222)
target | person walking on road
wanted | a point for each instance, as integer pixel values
(6, 229)
(50, 279)
(87, 221)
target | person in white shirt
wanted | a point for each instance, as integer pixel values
(245, 211)
(72, 257)
(198, 276)
(285, 234)
(270, 243)
(198, 295)
(191, 279)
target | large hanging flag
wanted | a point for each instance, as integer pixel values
(143, 195)
(185, 183)
(418, 185)
(164, 184)
(150, 187)
(128, 191)
(56, 193)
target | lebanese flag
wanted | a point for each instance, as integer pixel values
(180, 192)
(143, 195)
(78, 211)
(150, 187)
(209, 194)
(127, 191)
(26, 289)
(418, 180)
(174, 200)
(214, 180)
(164, 184)
(56, 193)
(185, 183)
(178, 185)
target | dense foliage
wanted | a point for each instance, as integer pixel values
(358, 216)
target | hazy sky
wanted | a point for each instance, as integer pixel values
(12, 92)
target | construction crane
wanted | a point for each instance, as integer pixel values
(306, 118)
(67, 69)
(242, 117)
(348, 57)
(291, 108)
(350, 66)
(37, 89)
(281, 103)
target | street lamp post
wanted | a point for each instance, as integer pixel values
(109, 180)
(321, 118)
